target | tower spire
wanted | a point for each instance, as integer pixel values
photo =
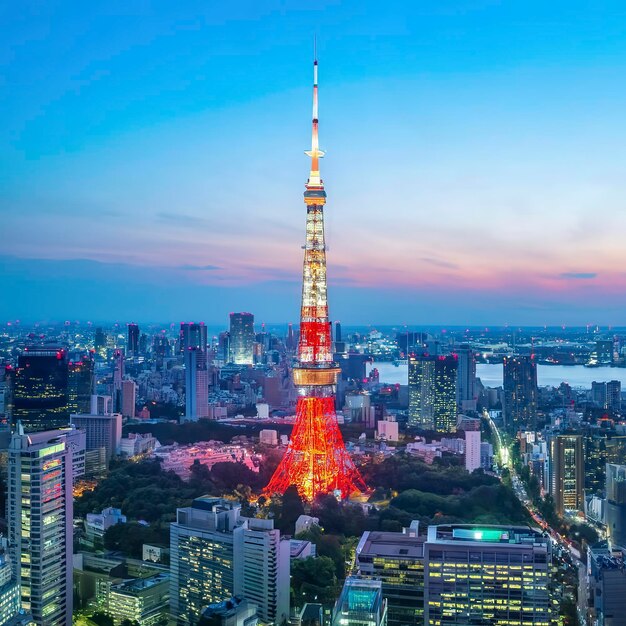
(315, 153)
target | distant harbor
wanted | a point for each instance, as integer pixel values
(490, 374)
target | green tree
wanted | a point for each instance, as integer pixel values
(313, 580)
(102, 619)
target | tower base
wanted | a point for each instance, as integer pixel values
(316, 460)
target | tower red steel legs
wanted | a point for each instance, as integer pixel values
(316, 460)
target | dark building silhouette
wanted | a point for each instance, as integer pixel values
(80, 383)
(132, 346)
(40, 389)
(520, 392)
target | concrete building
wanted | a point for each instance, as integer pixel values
(101, 431)
(201, 557)
(242, 338)
(261, 568)
(520, 392)
(233, 612)
(143, 600)
(9, 588)
(129, 397)
(397, 560)
(607, 586)
(268, 437)
(40, 523)
(488, 575)
(388, 429)
(137, 444)
(567, 473)
(615, 507)
(361, 603)
(466, 390)
(96, 524)
(196, 384)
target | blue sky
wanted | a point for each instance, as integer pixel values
(151, 160)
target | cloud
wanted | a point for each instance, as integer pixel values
(199, 268)
(439, 263)
(578, 275)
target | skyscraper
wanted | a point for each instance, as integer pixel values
(201, 557)
(316, 460)
(40, 523)
(192, 335)
(567, 466)
(445, 407)
(397, 560)
(261, 568)
(421, 391)
(132, 344)
(242, 338)
(432, 392)
(129, 397)
(196, 384)
(40, 389)
(487, 575)
(466, 379)
(616, 504)
(118, 377)
(520, 392)
(80, 383)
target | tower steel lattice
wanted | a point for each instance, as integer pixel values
(316, 460)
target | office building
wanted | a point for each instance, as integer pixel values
(242, 338)
(196, 384)
(9, 588)
(40, 523)
(445, 407)
(101, 431)
(472, 450)
(615, 511)
(603, 354)
(488, 575)
(567, 466)
(606, 581)
(40, 389)
(421, 391)
(118, 377)
(397, 560)
(607, 395)
(361, 603)
(192, 335)
(261, 568)
(598, 394)
(80, 383)
(233, 612)
(466, 391)
(141, 600)
(132, 344)
(201, 557)
(520, 392)
(129, 398)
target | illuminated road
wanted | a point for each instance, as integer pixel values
(573, 555)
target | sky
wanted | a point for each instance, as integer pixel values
(152, 166)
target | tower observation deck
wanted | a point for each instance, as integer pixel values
(316, 460)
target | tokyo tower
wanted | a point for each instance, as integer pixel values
(316, 460)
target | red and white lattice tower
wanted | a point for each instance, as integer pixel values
(316, 460)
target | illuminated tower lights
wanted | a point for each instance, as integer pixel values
(316, 460)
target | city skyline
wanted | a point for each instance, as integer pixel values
(133, 162)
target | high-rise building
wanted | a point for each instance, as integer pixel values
(616, 504)
(100, 342)
(604, 352)
(520, 392)
(129, 394)
(192, 335)
(445, 406)
(196, 384)
(118, 377)
(261, 567)
(40, 389)
(614, 396)
(397, 560)
(567, 466)
(466, 392)
(80, 384)
(606, 584)
(361, 603)
(316, 460)
(432, 392)
(40, 523)
(132, 344)
(598, 394)
(101, 431)
(9, 588)
(201, 557)
(488, 575)
(421, 391)
(242, 338)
